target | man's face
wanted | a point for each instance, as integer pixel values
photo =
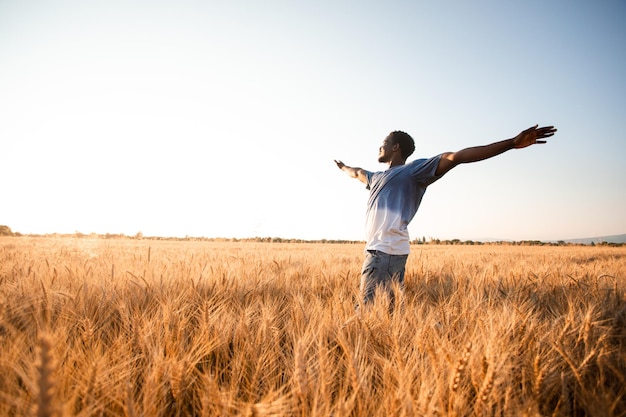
(386, 150)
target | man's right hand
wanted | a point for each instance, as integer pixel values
(354, 172)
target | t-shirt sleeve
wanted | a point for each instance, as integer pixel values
(368, 175)
(423, 170)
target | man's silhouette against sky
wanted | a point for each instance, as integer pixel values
(395, 196)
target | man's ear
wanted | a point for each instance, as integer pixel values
(395, 147)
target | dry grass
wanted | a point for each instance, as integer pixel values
(147, 328)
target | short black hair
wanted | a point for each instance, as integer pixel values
(406, 142)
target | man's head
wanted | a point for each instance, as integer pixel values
(396, 142)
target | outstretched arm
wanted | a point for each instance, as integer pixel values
(354, 172)
(526, 138)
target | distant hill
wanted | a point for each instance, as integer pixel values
(608, 239)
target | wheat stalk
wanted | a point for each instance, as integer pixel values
(300, 372)
(88, 331)
(130, 401)
(485, 391)
(46, 381)
(461, 366)
(178, 379)
(539, 375)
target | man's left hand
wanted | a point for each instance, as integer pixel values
(533, 135)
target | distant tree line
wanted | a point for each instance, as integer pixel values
(511, 243)
(6, 231)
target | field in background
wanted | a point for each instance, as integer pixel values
(145, 328)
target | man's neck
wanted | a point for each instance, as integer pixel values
(393, 163)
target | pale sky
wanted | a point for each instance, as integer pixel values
(222, 118)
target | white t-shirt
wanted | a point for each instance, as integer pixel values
(395, 196)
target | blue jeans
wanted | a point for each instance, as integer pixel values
(381, 270)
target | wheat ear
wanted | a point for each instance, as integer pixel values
(461, 367)
(45, 378)
(302, 384)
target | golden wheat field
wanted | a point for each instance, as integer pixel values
(97, 327)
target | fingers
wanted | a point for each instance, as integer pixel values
(546, 132)
(540, 133)
(547, 129)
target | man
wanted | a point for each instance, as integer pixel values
(395, 196)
